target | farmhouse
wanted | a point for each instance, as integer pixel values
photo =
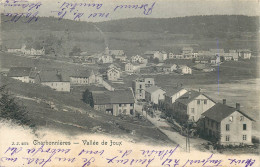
(244, 53)
(115, 103)
(229, 125)
(20, 73)
(154, 94)
(173, 94)
(192, 104)
(84, 77)
(55, 80)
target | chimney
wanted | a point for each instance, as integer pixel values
(199, 89)
(237, 106)
(189, 94)
(224, 101)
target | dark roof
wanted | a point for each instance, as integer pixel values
(19, 71)
(114, 97)
(80, 73)
(173, 91)
(220, 111)
(33, 74)
(189, 96)
(53, 76)
(122, 96)
(101, 98)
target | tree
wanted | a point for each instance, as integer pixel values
(11, 110)
(88, 98)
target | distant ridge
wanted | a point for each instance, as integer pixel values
(216, 25)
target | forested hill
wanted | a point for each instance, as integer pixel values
(217, 25)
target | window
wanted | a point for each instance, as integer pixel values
(241, 118)
(192, 110)
(244, 137)
(231, 118)
(205, 101)
(140, 91)
(212, 124)
(119, 105)
(227, 138)
(140, 86)
(131, 104)
(244, 126)
(227, 127)
(198, 101)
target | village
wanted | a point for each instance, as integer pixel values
(187, 111)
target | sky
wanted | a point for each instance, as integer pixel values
(161, 8)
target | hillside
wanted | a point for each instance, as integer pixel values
(215, 26)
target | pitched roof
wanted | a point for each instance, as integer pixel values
(153, 89)
(114, 97)
(150, 52)
(100, 98)
(81, 73)
(19, 71)
(122, 96)
(220, 111)
(173, 91)
(53, 76)
(190, 96)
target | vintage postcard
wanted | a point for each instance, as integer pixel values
(142, 83)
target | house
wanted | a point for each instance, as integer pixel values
(203, 67)
(154, 94)
(230, 56)
(161, 56)
(20, 73)
(202, 59)
(113, 74)
(192, 104)
(228, 125)
(184, 69)
(138, 59)
(116, 52)
(176, 56)
(14, 49)
(84, 77)
(172, 95)
(115, 102)
(244, 53)
(33, 50)
(140, 85)
(106, 59)
(55, 80)
(150, 54)
(129, 67)
(187, 52)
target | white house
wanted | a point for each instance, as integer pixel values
(244, 53)
(173, 94)
(193, 104)
(162, 56)
(184, 69)
(129, 67)
(113, 74)
(106, 59)
(84, 77)
(138, 59)
(154, 94)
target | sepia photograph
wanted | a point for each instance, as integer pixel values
(129, 83)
